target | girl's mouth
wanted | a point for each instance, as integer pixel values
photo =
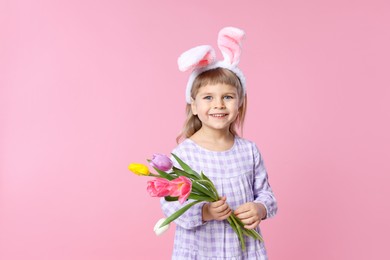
(219, 115)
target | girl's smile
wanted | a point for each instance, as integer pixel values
(218, 115)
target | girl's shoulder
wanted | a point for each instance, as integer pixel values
(244, 141)
(246, 145)
(185, 144)
(184, 147)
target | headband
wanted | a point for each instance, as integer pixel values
(202, 58)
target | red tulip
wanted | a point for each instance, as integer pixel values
(181, 187)
(159, 187)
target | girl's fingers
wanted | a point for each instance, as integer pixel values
(222, 212)
(218, 203)
(221, 209)
(251, 222)
(224, 215)
(245, 215)
(248, 218)
(253, 225)
(243, 208)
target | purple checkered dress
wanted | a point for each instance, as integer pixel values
(238, 174)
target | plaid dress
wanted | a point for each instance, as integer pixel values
(240, 175)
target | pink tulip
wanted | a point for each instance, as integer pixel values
(181, 187)
(159, 187)
(161, 162)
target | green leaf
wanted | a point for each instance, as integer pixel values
(210, 187)
(252, 233)
(180, 172)
(165, 175)
(185, 166)
(178, 213)
(169, 198)
(204, 177)
(248, 232)
(200, 197)
(232, 225)
(239, 231)
(201, 189)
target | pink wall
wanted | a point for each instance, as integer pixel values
(86, 87)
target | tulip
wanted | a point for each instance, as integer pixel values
(159, 187)
(161, 162)
(139, 169)
(160, 230)
(181, 187)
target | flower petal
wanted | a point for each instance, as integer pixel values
(160, 230)
(159, 187)
(139, 169)
(161, 162)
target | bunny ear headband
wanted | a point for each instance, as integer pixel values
(202, 58)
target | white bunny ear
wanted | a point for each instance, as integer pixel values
(229, 42)
(197, 57)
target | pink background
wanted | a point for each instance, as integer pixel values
(86, 87)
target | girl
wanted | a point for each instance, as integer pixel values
(216, 97)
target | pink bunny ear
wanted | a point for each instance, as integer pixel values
(197, 57)
(229, 42)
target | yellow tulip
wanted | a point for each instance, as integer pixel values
(139, 169)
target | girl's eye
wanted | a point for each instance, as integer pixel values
(207, 97)
(228, 97)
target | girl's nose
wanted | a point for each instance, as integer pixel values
(219, 104)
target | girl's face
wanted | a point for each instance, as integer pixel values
(216, 106)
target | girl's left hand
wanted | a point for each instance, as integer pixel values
(251, 214)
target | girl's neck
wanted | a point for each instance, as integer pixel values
(213, 140)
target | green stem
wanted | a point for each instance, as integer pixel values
(248, 232)
(240, 236)
(155, 175)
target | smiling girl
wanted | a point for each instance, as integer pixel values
(216, 107)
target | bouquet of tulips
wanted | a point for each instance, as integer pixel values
(181, 184)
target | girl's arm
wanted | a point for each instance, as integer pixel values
(261, 189)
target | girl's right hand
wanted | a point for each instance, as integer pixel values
(218, 210)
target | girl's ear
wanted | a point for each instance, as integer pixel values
(193, 107)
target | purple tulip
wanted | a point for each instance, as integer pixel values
(161, 162)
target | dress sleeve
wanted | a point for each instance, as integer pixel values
(190, 219)
(262, 190)
(193, 216)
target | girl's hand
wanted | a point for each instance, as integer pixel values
(251, 214)
(218, 210)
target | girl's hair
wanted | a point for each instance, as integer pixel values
(214, 76)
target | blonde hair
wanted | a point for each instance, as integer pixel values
(214, 76)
